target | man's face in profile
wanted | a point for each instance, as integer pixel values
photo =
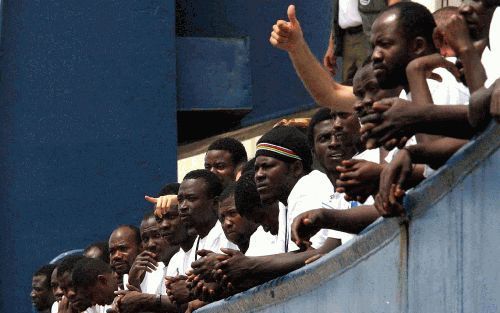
(54, 284)
(41, 294)
(221, 164)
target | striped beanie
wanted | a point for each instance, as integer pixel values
(285, 143)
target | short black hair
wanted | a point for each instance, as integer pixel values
(415, 20)
(249, 166)
(86, 271)
(134, 229)
(321, 115)
(228, 192)
(67, 264)
(169, 189)
(214, 185)
(233, 146)
(246, 196)
(46, 271)
(101, 245)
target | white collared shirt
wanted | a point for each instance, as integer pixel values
(152, 282)
(263, 243)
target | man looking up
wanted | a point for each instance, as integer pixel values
(41, 293)
(124, 246)
(224, 158)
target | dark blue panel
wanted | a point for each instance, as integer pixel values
(88, 126)
(213, 73)
(276, 89)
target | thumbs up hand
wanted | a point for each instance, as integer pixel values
(287, 35)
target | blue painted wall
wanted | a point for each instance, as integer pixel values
(444, 258)
(275, 88)
(87, 115)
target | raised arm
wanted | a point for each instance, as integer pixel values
(326, 92)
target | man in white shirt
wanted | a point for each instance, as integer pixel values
(247, 201)
(283, 158)
(225, 157)
(347, 38)
(71, 299)
(124, 246)
(198, 211)
(237, 228)
(148, 270)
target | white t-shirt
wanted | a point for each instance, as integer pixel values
(349, 14)
(213, 241)
(491, 56)
(98, 309)
(263, 243)
(372, 155)
(313, 191)
(152, 282)
(447, 92)
(55, 307)
(179, 263)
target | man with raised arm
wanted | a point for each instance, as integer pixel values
(288, 36)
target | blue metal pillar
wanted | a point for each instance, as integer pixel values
(88, 126)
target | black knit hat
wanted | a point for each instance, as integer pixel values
(287, 144)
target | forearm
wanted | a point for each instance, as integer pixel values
(475, 75)
(479, 105)
(435, 153)
(271, 266)
(352, 220)
(152, 303)
(444, 120)
(418, 86)
(325, 91)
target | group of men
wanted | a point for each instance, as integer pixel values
(236, 223)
